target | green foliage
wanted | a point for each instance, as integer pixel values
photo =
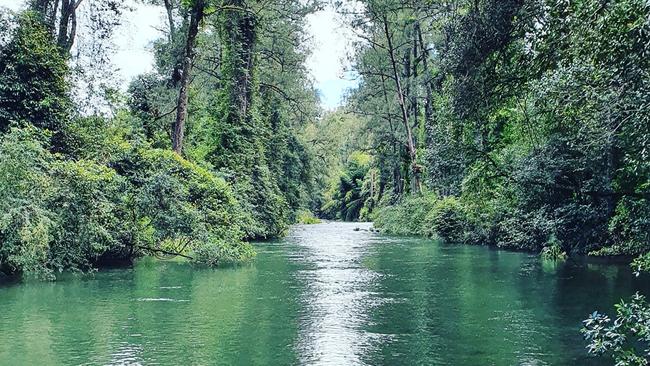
(183, 204)
(64, 214)
(553, 250)
(58, 214)
(354, 193)
(33, 85)
(630, 228)
(641, 263)
(446, 220)
(536, 127)
(407, 218)
(108, 189)
(425, 214)
(627, 338)
(243, 122)
(307, 218)
(330, 141)
(526, 121)
(218, 252)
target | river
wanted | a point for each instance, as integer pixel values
(327, 294)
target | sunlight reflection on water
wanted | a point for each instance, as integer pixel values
(337, 300)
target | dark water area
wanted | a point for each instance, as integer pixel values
(325, 295)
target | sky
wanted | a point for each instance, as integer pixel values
(326, 63)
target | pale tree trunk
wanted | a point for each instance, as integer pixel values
(428, 108)
(169, 8)
(415, 170)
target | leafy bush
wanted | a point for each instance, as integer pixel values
(307, 218)
(629, 228)
(88, 203)
(407, 217)
(219, 252)
(56, 214)
(525, 230)
(60, 214)
(183, 206)
(553, 249)
(425, 215)
(27, 227)
(627, 338)
(641, 263)
(103, 140)
(446, 220)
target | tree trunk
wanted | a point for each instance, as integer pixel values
(169, 7)
(428, 107)
(396, 176)
(67, 26)
(240, 29)
(197, 13)
(414, 89)
(415, 170)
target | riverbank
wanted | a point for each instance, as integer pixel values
(453, 220)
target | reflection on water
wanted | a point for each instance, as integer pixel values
(325, 295)
(337, 297)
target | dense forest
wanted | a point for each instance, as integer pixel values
(518, 124)
(200, 156)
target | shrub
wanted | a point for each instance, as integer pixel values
(27, 227)
(553, 249)
(219, 252)
(446, 220)
(307, 218)
(641, 263)
(525, 230)
(185, 207)
(87, 201)
(60, 214)
(627, 338)
(56, 214)
(629, 228)
(407, 217)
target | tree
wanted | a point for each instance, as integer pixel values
(33, 78)
(197, 12)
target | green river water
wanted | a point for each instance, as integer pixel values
(325, 295)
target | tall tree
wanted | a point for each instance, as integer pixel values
(197, 12)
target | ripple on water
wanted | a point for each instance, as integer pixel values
(161, 299)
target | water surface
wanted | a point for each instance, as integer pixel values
(325, 295)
